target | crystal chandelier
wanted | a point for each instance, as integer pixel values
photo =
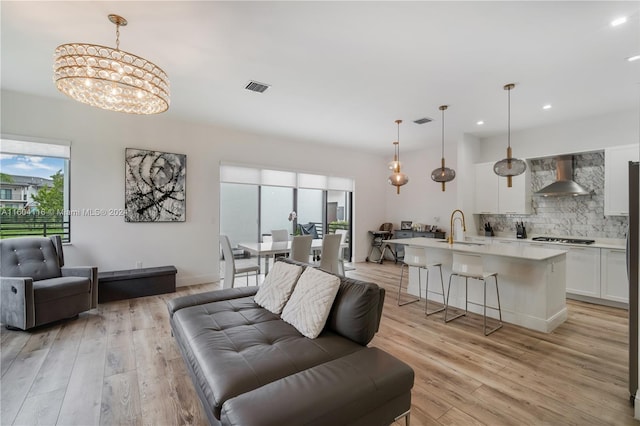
(443, 174)
(397, 178)
(509, 167)
(109, 78)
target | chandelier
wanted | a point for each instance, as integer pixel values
(443, 174)
(397, 178)
(509, 167)
(109, 78)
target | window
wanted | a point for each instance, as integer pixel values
(255, 201)
(35, 176)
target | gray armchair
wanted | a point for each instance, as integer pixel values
(36, 288)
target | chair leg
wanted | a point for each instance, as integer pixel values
(446, 307)
(400, 288)
(426, 296)
(486, 333)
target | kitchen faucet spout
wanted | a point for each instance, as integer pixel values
(464, 226)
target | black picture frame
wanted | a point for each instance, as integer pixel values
(405, 225)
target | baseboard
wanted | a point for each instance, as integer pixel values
(196, 279)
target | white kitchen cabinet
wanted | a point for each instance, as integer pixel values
(517, 199)
(583, 271)
(614, 281)
(486, 189)
(616, 181)
(493, 196)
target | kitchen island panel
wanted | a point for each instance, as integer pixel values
(532, 284)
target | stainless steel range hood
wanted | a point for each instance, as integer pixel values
(564, 184)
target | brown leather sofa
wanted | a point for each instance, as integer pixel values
(249, 367)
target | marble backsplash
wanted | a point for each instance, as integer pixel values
(579, 217)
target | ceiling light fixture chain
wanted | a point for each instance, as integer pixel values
(509, 166)
(109, 78)
(443, 174)
(397, 178)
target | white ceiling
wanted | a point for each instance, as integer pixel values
(342, 72)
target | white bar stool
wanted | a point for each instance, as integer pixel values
(470, 266)
(417, 257)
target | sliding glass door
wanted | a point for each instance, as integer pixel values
(276, 203)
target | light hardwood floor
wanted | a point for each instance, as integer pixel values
(119, 365)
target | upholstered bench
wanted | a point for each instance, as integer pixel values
(130, 283)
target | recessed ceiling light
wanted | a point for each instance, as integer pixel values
(480, 122)
(547, 106)
(633, 58)
(619, 21)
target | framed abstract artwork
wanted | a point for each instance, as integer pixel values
(154, 186)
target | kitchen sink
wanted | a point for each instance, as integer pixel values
(464, 243)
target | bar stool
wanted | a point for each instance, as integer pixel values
(470, 266)
(414, 256)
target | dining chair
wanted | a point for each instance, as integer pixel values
(230, 267)
(330, 257)
(470, 266)
(278, 235)
(301, 248)
(417, 257)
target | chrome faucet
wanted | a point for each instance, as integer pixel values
(464, 226)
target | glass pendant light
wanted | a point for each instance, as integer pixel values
(509, 167)
(443, 174)
(397, 178)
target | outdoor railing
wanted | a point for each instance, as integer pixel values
(33, 225)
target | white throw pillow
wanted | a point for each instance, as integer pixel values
(278, 286)
(309, 305)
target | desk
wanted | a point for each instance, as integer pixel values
(270, 249)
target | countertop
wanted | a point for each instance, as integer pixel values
(519, 251)
(609, 243)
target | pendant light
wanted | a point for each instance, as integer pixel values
(110, 79)
(509, 167)
(443, 174)
(397, 178)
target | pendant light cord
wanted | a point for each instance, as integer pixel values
(509, 117)
(443, 132)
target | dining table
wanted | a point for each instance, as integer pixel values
(269, 249)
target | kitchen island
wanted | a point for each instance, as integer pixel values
(531, 280)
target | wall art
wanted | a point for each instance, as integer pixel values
(155, 185)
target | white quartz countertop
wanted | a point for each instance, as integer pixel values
(519, 251)
(605, 243)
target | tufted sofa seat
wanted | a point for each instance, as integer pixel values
(249, 367)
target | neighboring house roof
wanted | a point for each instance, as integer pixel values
(19, 180)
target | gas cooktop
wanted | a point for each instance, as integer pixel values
(563, 240)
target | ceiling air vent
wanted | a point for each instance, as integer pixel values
(424, 120)
(254, 86)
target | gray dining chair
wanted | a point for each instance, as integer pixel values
(330, 257)
(301, 248)
(230, 267)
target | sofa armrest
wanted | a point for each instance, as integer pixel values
(16, 302)
(90, 272)
(211, 296)
(366, 387)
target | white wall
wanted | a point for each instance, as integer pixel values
(98, 141)
(591, 134)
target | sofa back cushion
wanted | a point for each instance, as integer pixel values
(356, 310)
(34, 257)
